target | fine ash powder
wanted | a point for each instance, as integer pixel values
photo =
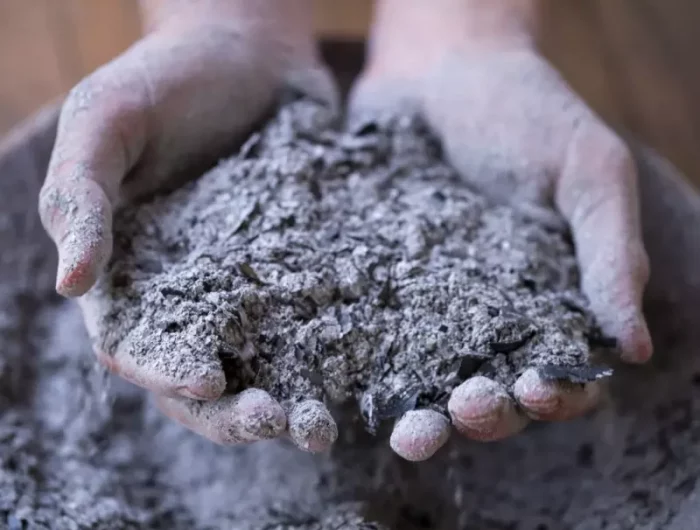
(330, 264)
(81, 452)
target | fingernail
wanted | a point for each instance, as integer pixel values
(75, 276)
(478, 400)
(535, 394)
(207, 386)
(419, 434)
(83, 251)
(311, 426)
(191, 393)
(258, 415)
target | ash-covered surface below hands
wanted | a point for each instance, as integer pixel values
(342, 264)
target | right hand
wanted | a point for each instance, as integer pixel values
(170, 106)
(514, 130)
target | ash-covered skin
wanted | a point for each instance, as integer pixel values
(336, 265)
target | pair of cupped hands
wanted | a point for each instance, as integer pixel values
(189, 91)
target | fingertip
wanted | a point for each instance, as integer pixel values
(257, 416)
(205, 388)
(311, 426)
(537, 396)
(419, 434)
(208, 419)
(616, 304)
(477, 400)
(481, 409)
(247, 417)
(554, 400)
(75, 276)
(79, 220)
(635, 342)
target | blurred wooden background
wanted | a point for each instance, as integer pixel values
(633, 60)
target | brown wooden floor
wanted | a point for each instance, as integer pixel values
(633, 60)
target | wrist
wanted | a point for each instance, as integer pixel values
(502, 24)
(288, 22)
(410, 35)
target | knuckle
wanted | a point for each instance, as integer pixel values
(84, 96)
(56, 206)
(114, 97)
(49, 200)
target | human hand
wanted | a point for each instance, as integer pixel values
(169, 106)
(511, 125)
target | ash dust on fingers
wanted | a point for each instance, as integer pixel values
(79, 219)
(311, 426)
(419, 434)
(248, 417)
(555, 400)
(482, 409)
(324, 265)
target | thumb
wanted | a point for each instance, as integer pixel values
(100, 134)
(316, 82)
(597, 194)
(375, 95)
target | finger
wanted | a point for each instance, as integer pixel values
(317, 83)
(481, 409)
(598, 196)
(78, 218)
(312, 427)
(251, 416)
(554, 400)
(372, 97)
(180, 374)
(419, 434)
(99, 136)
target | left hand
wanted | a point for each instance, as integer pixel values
(173, 103)
(511, 125)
